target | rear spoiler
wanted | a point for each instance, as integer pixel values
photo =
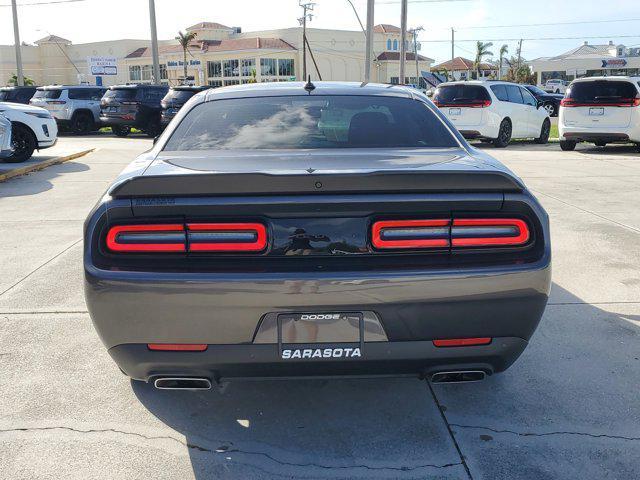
(229, 184)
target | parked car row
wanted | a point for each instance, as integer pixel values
(493, 111)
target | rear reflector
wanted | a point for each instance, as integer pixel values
(489, 232)
(462, 342)
(227, 237)
(147, 238)
(410, 234)
(178, 347)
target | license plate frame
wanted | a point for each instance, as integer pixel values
(455, 112)
(596, 111)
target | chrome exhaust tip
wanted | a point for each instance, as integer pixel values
(182, 383)
(461, 376)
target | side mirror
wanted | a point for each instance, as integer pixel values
(539, 104)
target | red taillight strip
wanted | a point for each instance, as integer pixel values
(115, 246)
(462, 342)
(379, 227)
(255, 245)
(178, 347)
(520, 238)
(623, 102)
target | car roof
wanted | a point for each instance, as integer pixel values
(612, 77)
(478, 82)
(63, 87)
(191, 88)
(17, 87)
(133, 86)
(276, 89)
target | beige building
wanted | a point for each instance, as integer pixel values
(221, 55)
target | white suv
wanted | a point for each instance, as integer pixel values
(600, 110)
(555, 85)
(494, 111)
(5, 137)
(32, 128)
(75, 107)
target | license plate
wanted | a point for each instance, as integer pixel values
(321, 336)
(454, 111)
(596, 111)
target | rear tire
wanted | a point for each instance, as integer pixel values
(544, 132)
(121, 131)
(504, 134)
(567, 145)
(23, 142)
(82, 123)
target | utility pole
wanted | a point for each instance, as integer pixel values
(403, 40)
(519, 53)
(154, 42)
(369, 42)
(453, 48)
(307, 7)
(414, 32)
(16, 39)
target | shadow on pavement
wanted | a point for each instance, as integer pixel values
(38, 181)
(584, 148)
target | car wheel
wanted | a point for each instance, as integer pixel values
(567, 145)
(121, 131)
(601, 144)
(551, 109)
(504, 134)
(544, 132)
(23, 142)
(153, 127)
(82, 123)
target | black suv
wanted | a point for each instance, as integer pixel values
(126, 106)
(550, 101)
(17, 94)
(176, 98)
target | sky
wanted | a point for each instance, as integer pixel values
(503, 21)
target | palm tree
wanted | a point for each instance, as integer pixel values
(482, 50)
(504, 49)
(184, 39)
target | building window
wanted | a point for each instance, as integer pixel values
(232, 82)
(231, 68)
(134, 73)
(395, 80)
(163, 71)
(248, 66)
(395, 44)
(215, 83)
(146, 73)
(268, 66)
(214, 69)
(388, 44)
(285, 67)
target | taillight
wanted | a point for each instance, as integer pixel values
(130, 103)
(623, 102)
(456, 233)
(485, 232)
(462, 342)
(469, 104)
(226, 237)
(194, 237)
(410, 234)
(56, 102)
(147, 238)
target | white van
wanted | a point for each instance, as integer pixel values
(600, 110)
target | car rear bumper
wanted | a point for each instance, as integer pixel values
(608, 137)
(109, 121)
(225, 311)
(264, 360)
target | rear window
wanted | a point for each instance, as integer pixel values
(121, 93)
(460, 94)
(4, 95)
(178, 96)
(48, 94)
(310, 122)
(85, 93)
(604, 91)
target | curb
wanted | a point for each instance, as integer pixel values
(39, 166)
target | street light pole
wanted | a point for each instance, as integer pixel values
(16, 39)
(154, 42)
(369, 42)
(403, 40)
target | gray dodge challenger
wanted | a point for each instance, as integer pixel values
(327, 229)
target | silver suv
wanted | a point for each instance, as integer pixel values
(75, 107)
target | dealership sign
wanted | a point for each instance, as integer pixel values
(179, 64)
(103, 65)
(614, 63)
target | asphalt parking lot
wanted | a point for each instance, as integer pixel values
(569, 408)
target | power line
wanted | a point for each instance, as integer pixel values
(50, 2)
(549, 24)
(615, 35)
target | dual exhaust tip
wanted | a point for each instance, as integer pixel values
(460, 376)
(195, 384)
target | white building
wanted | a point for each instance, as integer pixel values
(588, 61)
(221, 55)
